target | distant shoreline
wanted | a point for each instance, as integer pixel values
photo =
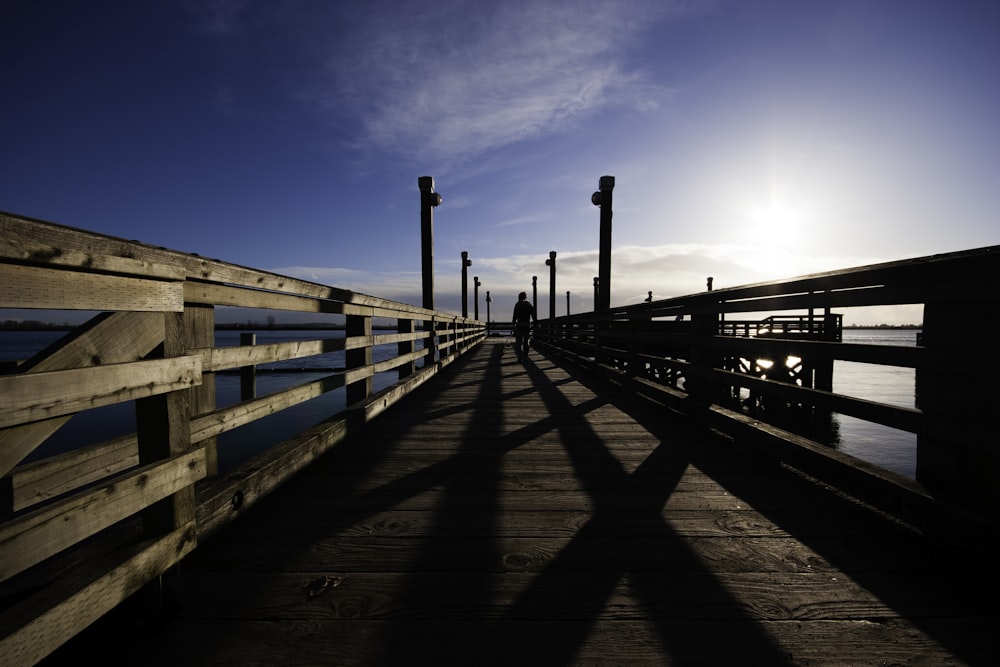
(247, 326)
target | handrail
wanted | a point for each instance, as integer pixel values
(143, 501)
(689, 354)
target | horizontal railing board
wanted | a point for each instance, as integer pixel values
(264, 473)
(906, 419)
(81, 597)
(45, 288)
(389, 339)
(40, 242)
(894, 493)
(226, 419)
(51, 239)
(42, 480)
(47, 478)
(36, 396)
(32, 538)
(224, 358)
(227, 295)
(17, 246)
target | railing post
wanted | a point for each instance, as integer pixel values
(466, 263)
(603, 198)
(358, 356)
(199, 332)
(551, 263)
(597, 293)
(248, 374)
(955, 457)
(405, 326)
(704, 326)
(446, 343)
(163, 428)
(567, 302)
(430, 341)
(428, 200)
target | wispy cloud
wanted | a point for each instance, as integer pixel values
(455, 79)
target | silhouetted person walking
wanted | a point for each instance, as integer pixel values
(524, 315)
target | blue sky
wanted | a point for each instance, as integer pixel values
(749, 139)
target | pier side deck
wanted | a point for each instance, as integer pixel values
(512, 513)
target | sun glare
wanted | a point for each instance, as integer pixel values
(776, 223)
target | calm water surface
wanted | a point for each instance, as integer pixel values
(886, 447)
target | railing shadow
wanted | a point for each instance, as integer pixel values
(551, 615)
(599, 557)
(926, 584)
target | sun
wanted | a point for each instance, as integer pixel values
(776, 223)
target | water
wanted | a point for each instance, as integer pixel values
(235, 446)
(889, 448)
(886, 447)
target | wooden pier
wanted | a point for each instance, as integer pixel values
(513, 513)
(612, 499)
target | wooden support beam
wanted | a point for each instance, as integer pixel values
(109, 338)
(33, 629)
(37, 287)
(163, 427)
(27, 398)
(32, 538)
(359, 358)
(199, 331)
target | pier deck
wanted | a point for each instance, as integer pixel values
(512, 513)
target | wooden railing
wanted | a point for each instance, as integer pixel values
(85, 529)
(689, 354)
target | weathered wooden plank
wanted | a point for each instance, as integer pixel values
(33, 249)
(32, 538)
(657, 550)
(226, 419)
(29, 240)
(199, 332)
(31, 630)
(43, 480)
(163, 431)
(36, 287)
(109, 338)
(31, 397)
(571, 538)
(228, 295)
(369, 596)
(222, 358)
(555, 641)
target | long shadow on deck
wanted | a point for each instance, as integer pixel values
(552, 613)
(603, 560)
(923, 586)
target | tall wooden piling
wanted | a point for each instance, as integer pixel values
(466, 263)
(475, 296)
(603, 199)
(551, 263)
(428, 201)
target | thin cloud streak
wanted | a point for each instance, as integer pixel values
(447, 86)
